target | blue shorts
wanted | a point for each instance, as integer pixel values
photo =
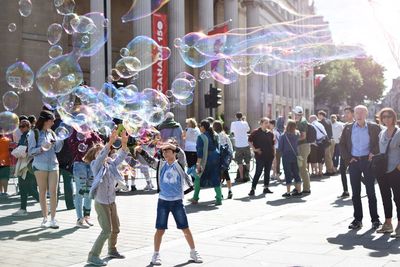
(164, 207)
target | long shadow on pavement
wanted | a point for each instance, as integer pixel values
(8, 235)
(48, 235)
(341, 202)
(248, 198)
(285, 201)
(13, 219)
(201, 206)
(381, 246)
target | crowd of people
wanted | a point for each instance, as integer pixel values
(200, 156)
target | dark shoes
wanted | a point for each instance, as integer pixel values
(267, 191)
(344, 195)
(297, 194)
(286, 195)
(252, 193)
(355, 225)
(133, 188)
(115, 255)
(230, 195)
(306, 192)
(376, 224)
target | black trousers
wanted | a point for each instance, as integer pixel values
(264, 164)
(388, 183)
(68, 189)
(27, 187)
(343, 169)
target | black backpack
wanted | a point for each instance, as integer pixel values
(311, 135)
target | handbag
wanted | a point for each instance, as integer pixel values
(299, 158)
(324, 142)
(379, 162)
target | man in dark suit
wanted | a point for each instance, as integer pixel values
(359, 142)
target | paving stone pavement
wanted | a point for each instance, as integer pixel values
(257, 231)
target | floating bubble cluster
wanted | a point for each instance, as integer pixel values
(265, 50)
(135, 13)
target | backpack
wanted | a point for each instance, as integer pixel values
(311, 136)
(225, 155)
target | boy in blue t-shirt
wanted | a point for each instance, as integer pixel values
(172, 183)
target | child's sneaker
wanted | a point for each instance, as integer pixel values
(54, 224)
(115, 255)
(20, 212)
(148, 187)
(45, 223)
(230, 195)
(195, 256)
(156, 260)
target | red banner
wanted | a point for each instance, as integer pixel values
(160, 35)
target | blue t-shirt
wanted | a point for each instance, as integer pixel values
(170, 182)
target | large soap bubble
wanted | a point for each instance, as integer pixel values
(55, 51)
(135, 13)
(147, 52)
(20, 76)
(54, 33)
(9, 122)
(25, 7)
(10, 100)
(82, 24)
(88, 44)
(69, 75)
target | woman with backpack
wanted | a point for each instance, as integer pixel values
(226, 150)
(43, 146)
(208, 163)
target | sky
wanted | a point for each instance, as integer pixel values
(356, 22)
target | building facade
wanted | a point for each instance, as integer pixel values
(254, 95)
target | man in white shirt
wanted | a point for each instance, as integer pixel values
(239, 129)
(337, 129)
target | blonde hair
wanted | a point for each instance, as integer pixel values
(192, 122)
(91, 153)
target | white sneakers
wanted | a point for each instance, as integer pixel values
(194, 256)
(156, 260)
(49, 224)
(88, 221)
(20, 213)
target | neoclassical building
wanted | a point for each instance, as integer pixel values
(254, 95)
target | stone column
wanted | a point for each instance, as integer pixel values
(231, 92)
(254, 82)
(206, 22)
(143, 27)
(101, 62)
(176, 22)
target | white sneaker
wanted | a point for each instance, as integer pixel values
(20, 212)
(45, 223)
(156, 260)
(79, 224)
(195, 256)
(54, 224)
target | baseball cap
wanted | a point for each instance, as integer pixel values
(298, 110)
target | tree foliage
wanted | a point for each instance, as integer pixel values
(349, 82)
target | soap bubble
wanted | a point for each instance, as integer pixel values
(64, 7)
(135, 13)
(54, 33)
(147, 51)
(124, 52)
(10, 100)
(82, 24)
(88, 44)
(25, 7)
(181, 88)
(82, 147)
(62, 133)
(117, 144)
(128, 66)
(80, 136)
(12, 27)
(20, 76)
(9, 122)
(67, 23)
(46, 146)
(55, 51)
(54, 71)
(50, 102)
(70, 76)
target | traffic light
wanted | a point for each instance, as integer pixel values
(215, 96)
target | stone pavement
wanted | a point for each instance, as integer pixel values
(258, 231)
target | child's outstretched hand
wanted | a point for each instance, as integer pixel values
(113, 136)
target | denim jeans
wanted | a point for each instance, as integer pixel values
(291, 170)
(356, 170)
(164, 207)
(83, 181)
(336, 155)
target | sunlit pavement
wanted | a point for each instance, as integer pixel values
(257, 231)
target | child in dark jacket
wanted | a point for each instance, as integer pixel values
(288, 149)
